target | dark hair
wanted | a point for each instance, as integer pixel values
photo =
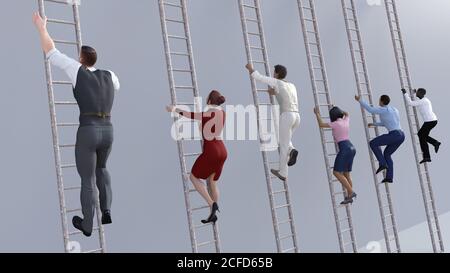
(385, 99)
(421, 92)
(89, 56)
(215, 98)
(281, 71)
(336, 113)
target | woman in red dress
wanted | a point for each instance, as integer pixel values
(209, 164)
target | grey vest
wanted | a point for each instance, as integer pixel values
(94, 92)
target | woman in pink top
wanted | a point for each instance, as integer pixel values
(340, 125)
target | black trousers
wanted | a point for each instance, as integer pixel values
(92, 151)
(424, 137)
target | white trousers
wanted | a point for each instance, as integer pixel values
(289, 121)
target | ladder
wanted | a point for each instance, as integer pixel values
(413, 121)
(180, 63)
(58, 126)
(279, 197)
(365, 91)
(322, 99)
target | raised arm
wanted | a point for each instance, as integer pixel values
(41, 26)
(320, 121)
(56, 58)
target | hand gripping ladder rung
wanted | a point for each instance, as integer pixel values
(317, 71)
(413, 121)
(359, 60)
(252, 8)
(172, 9)
(55, 135)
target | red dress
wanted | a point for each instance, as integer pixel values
(214, 154)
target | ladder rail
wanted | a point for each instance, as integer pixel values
(324, 80)
(248, 49)
(195, 245)
(55, 134)
(413, 123)
(350, 14)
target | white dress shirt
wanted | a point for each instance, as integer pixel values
(424, 106)
(285, 92)
(71, 67)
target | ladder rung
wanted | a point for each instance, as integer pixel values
(72, 188)
(286, 236)
(278, 192)
(57, 21)
(67, 124)
(206, 243)
(200, 208)
(66, 42)
(62, 82)
(57, 1)
(282, 206)
(179, 53)
(66, 103)
(289, 249)
(67, 146)
(284, 222)
(66, 166)
(248, 6)
(177, 37)
(192, 154)
(172, 5)
(345, 230)
(175, 21)
(94, 250)
(184, 87)
(73, 210)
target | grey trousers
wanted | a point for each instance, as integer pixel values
(92, 150)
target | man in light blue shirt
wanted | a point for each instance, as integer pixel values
(389, 118)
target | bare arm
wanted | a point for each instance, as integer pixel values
(320, 121)
(41, 26)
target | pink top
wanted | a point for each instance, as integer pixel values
(341, 128)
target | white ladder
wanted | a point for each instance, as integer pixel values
(280, 201)
(365, 91)
(414, 126)
(180, 65)
(322, 99)
(69, 245)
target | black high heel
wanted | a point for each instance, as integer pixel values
(212, 216)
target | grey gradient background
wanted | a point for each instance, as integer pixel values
(148, 209)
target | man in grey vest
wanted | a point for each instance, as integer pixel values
(93, 90)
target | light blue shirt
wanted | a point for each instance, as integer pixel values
(389, 116)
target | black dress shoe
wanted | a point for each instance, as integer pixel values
(425, 160)
(436, 147)
(386, 180)
(293, 157)
(277, 174)
(78, 224)
(347, 200)
(380, 169)
(106, 217)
